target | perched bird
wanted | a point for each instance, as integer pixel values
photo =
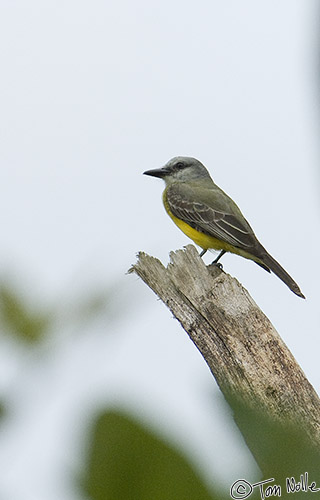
(208, 216)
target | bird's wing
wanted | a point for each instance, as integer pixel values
(197, 208)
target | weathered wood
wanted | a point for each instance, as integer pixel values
(244, 352)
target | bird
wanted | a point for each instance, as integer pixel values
(207, 215)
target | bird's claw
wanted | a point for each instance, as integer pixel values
(217, 264)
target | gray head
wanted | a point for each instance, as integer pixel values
(180, 169)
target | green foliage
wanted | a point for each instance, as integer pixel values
(17, 318)
(31, 323)
(126, 461)
(281, 449)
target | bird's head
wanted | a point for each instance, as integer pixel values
(180, 169)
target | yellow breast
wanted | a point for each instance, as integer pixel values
(204, 241)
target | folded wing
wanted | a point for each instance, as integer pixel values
(217, 222)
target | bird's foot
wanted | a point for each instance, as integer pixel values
(217, 264)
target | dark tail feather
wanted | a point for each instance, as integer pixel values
(275, 267)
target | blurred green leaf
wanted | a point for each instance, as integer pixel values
(126, 461)
(3, 410)
(282, 449)
(27, 320)
(17, 318)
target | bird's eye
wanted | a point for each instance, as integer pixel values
(180, 164)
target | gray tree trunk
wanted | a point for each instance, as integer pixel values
(245, 354)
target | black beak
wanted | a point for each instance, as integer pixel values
(157, 172)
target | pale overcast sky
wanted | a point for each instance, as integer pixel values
(91, 95)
